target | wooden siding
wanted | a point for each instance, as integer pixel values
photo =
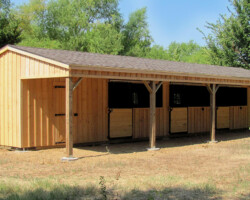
(198, 119)
(154, 77)
(39, 124)
(10, 99)
(121, 123)
(238, 117)
(141, 123)
(33, 68)
(178, 120)
(141, 118)
(222, 117)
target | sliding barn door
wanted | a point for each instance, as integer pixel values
(178, 120)
(120, 123)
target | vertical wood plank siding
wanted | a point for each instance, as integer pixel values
(9, 99)
(238, 117)
(40, 125)
(141, 118)
(198, 119)
(223, 117)
(33, 68)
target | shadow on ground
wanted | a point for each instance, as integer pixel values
(74, 192)
(140, 146)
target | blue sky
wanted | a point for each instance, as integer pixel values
(174, 20)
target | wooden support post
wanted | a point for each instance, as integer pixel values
(152, 89)
(69, 120)
(69, 117)
(152, 124)
(213, 112)
(212, 90)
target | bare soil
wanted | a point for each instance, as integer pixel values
(184, 168)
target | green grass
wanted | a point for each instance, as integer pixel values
(51, 188)
(45, 189)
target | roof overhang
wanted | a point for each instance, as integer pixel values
(130, 73)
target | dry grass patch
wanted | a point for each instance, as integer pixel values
(184, 168)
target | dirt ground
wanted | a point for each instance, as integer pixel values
(184, 168)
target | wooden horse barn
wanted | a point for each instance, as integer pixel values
(54, 97)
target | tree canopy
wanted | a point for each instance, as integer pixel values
(137, 39)
(90, 25)
(9, 25)
(184, 52)
(229, 39)
(98, 26)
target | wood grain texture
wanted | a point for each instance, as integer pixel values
(10, 99)
(179, 120)
(141, 122)
(141, 118)
(222, 117)
(238, 117)
(40, 96)
(69, 117)
(152, 117)
(198, 119)
(34, 68)
(121, 123)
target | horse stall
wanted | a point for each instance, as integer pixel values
(190, 108)
(51, 98)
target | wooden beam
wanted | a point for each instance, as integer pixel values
(69, 117)
(233, 86)
(158, 86)
(217, 87)
(125, 81)
(77, 83)
(152, 122)
(188, 84)
(209, 90)
(148, 87)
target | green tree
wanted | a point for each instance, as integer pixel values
(158, 52)
(9, 25)
(89, 25)
(188, 52)
(184, 52)
(137, 39)
(229, 39)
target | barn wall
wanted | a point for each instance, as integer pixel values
(238, 117)
(223, 117)
(9, 99)
(41, 101)
(198, 119)
(92, 108)
(37, 113)
(141, 118)
(33, 68)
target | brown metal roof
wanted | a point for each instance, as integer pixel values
(126, 63)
